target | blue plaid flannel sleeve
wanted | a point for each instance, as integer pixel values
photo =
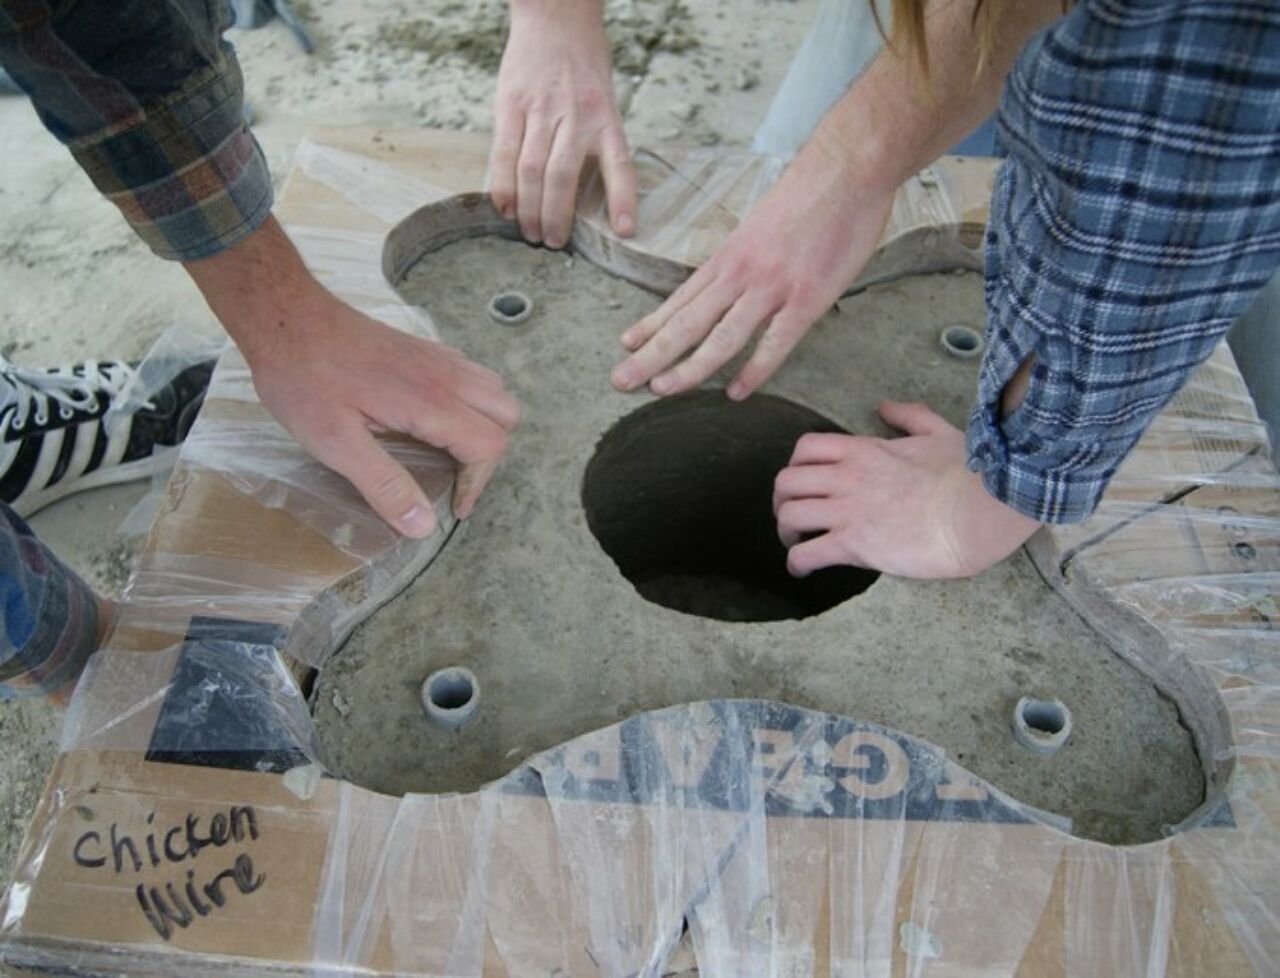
(1135, 217)
(149, 99)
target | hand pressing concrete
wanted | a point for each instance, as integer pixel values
(781, 269)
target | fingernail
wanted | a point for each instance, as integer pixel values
(737, 391)
(628, 339)
(622, 379)
(662, 385)
(626, 224)
(417, 522)
(554, 241)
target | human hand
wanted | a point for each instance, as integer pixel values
(906, 506)
(336, 376)
(783, 267)
(555, 109)
(333, 376)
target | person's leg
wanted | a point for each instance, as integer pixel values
(53, 621)
(64, 430)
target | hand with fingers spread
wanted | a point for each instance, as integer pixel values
(332, 377)
(807, 239)
(795, 253)
(907, 506)
(555, 110)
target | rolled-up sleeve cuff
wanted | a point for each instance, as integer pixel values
(1052, 480)
(185, 172)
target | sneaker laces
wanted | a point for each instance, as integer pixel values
(39, 391)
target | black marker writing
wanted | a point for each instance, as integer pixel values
(178, 909)
(176, 904)
(181, 842)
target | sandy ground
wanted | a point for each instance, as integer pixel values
(77, 283)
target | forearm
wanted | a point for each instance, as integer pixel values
(257, 289)
(891, 123)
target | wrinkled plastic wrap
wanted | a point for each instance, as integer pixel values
(691, 200)
(737, 838)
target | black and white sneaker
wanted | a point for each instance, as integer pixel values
(57, 437)
(7, 85)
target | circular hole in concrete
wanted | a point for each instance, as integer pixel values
(680, 494)
(510, 308)
(963, 342)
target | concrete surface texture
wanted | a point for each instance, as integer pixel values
(532, 594)
(77, 283)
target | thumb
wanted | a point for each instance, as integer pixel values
(384, 483)
(914, 419)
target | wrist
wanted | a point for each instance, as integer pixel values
(988, 529)
(861, 161)
(578, 12)
(257, 289)
(839, 186)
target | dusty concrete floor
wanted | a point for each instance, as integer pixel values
(70, 269)
(561, 643)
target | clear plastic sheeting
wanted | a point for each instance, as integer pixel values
(691, 200)
(187, 827)
(1187, 540)
(323, 528)
(278, 475)
(174, 351)
(387, 192)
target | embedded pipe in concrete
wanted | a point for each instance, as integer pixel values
(1041, 726)
(961, 342)
(450, 697)
(510, 308)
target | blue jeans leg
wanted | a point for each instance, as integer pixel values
(50, 615)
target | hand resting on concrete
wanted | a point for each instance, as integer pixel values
(789, 260)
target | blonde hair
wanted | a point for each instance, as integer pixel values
(908, 37)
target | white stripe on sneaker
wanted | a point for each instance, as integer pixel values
(50, 447)
(86, 433)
